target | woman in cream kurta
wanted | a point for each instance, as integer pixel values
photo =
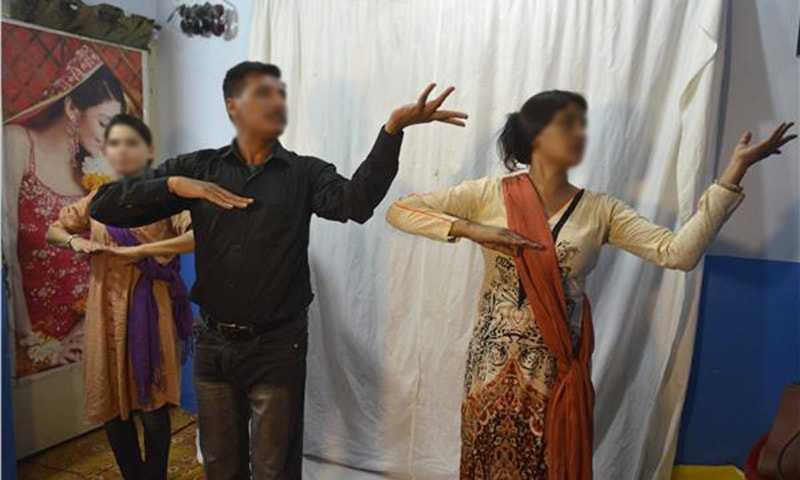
(511, 370)
(507, 358)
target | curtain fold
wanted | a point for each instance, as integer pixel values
(394, 313)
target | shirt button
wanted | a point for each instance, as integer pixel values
(230, 284)
(236, 247)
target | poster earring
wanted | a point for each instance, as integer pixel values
(74, 145)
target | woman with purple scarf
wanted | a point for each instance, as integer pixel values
(138, 318)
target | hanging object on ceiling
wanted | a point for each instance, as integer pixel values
(206, 19)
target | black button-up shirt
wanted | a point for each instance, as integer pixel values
(252, 264)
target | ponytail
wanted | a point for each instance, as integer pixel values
(515, 142)
(515, 145)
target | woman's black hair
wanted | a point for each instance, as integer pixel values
(102, 86)
(135, 123)
(515, 143)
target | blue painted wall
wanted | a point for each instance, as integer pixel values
(747, 350)
(188, 398)
(9, 457)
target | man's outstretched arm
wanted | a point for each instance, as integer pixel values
(158, 194)
(337, 198)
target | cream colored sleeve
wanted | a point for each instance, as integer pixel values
(432, 215)
(682, 249)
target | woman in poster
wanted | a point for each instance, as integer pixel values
(528, 398)
(138, 318)
(52, 158)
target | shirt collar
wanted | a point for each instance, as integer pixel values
(278, 152)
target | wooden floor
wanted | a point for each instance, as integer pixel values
(90, 457)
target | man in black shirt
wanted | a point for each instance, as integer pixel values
(253, 283)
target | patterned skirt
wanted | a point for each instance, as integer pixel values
(508, 379)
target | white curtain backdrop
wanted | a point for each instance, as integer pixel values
(393, 313)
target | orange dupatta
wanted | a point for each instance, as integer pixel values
(569, 422)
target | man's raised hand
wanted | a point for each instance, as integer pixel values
(425, 111)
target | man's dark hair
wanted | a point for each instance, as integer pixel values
(234, 79)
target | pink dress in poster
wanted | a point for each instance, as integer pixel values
(59, 92)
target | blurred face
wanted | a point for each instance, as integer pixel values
(563, 140)
(126, 151)
(260, 107)
(92, 123)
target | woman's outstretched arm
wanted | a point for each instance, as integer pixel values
(684, 248)
(433, 215)
(454, 213)
(681, 249)
(73, 220)
(183, 243)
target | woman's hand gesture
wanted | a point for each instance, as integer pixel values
(82, 245)
(749, 154)
(746, 155)
(499, 239)
(129, 255)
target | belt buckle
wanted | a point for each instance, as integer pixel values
(234, 331)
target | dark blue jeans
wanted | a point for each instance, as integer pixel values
(250, 395)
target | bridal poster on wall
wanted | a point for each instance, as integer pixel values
(59, 92)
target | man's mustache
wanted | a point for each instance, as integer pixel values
(278, 115)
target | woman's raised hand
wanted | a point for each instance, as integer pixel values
(752, 154)
(746, 155)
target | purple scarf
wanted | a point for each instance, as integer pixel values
(143, 337)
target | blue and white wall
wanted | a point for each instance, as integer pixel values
(748, 342)
(748, 339)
